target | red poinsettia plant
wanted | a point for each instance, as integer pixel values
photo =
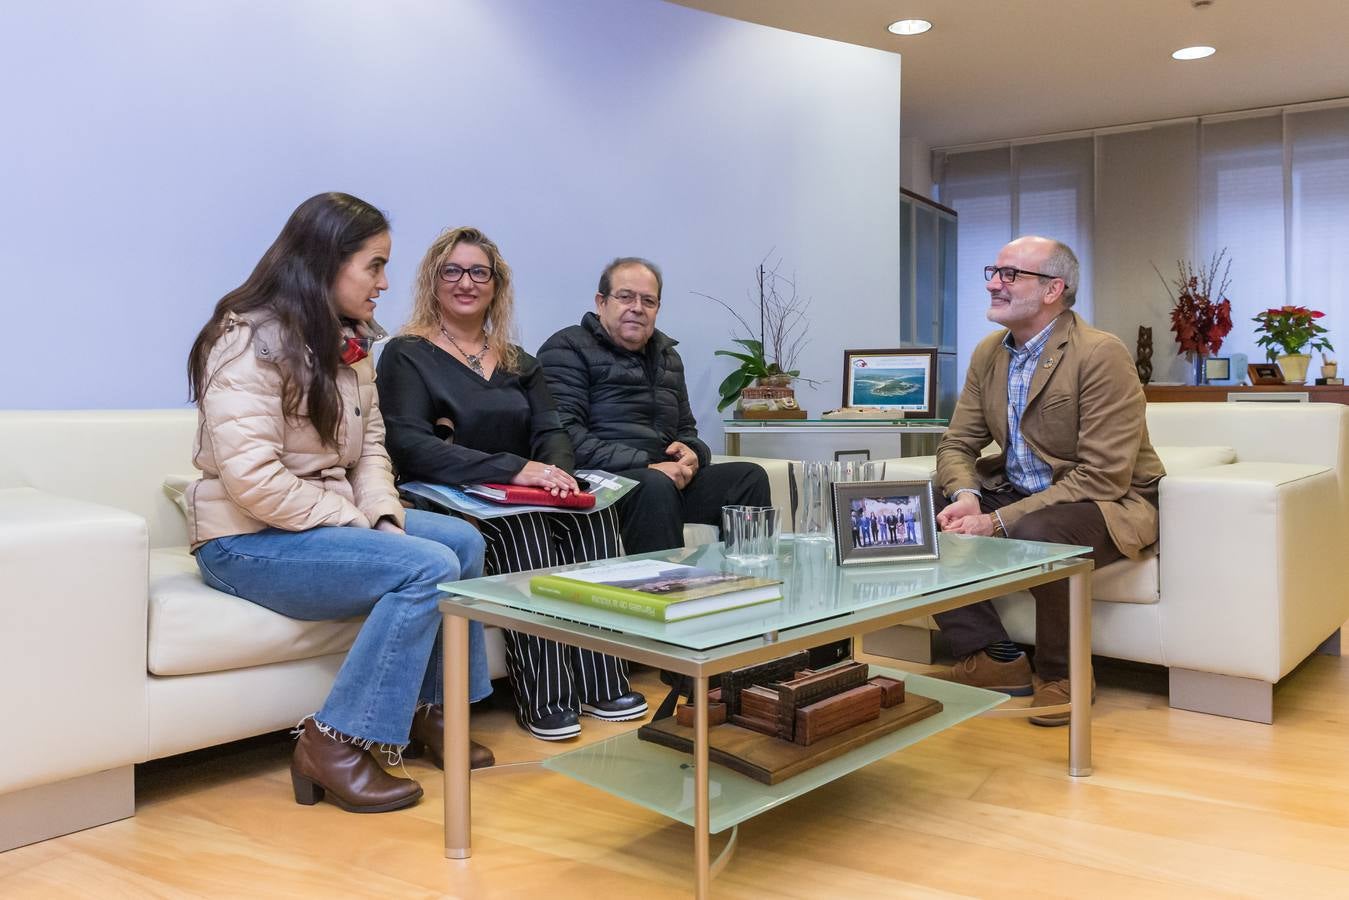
(1200, 315)
(1288, 330)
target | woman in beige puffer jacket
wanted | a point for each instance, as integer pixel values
(296, 508)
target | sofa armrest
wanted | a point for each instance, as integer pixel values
(1251, 574)
(910, 468)
(73, 638)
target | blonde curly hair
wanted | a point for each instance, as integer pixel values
(500, 321)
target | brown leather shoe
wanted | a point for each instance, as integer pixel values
(983, 671)
(1053, 693)
(347, 774)
(428, 736)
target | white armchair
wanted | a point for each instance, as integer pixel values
(1249, 576)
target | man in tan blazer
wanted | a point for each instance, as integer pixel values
(1063, 403)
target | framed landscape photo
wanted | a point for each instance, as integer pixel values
(1266, 373)
(884, 521)
(900, 381)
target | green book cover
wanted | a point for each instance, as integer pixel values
(662, 591)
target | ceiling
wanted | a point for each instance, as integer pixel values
(1000, 69)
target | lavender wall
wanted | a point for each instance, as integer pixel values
(154, 149)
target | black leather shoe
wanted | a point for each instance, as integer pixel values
(631, 705)
(555, 727)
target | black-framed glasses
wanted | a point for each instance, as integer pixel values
(1009, 274)
(450, 274)
(629, 298)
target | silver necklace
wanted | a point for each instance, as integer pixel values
(474, 360)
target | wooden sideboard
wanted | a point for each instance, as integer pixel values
(1217, 393)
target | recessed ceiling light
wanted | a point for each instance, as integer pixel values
(910, 26)
(1193, 52)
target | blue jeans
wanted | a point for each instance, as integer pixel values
(333, 573)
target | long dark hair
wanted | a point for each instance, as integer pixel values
(293, 283)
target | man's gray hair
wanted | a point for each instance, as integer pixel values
(1062, 263)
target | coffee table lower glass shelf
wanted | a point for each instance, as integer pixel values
(662, 780)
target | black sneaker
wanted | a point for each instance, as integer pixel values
(555, 727)
(631, 705)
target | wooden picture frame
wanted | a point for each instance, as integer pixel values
(884, 521)
(902, 381)
(1265, 373)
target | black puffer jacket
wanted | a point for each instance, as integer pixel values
(620, 408)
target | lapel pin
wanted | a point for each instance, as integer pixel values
(1049, 363)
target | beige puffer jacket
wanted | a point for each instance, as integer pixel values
(259, 470)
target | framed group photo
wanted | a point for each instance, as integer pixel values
(901, 381)
(884, 521)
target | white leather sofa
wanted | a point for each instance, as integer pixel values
(1251, 574)
(112, 650)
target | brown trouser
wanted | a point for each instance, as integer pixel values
(970, 629)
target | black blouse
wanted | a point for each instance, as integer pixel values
(446, 424)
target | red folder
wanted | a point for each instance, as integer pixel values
(518, 495)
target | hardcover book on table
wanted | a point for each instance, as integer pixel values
(652, 589)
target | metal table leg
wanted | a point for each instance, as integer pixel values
(1079, 673)
(702, 857)
(458, 840)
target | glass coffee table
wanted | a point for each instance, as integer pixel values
(821, 602)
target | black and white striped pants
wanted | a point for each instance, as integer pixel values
(549, 677)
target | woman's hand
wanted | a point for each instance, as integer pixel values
(551, 478)
(387, 524)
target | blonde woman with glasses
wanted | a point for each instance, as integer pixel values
(465, 405)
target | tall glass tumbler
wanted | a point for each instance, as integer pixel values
(815, 493)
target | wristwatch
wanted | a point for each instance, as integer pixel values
(998, 530)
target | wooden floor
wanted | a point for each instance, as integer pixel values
(1181, 805)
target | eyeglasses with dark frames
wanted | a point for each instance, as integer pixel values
(450, 274)
(1009, 274)
(630, 298)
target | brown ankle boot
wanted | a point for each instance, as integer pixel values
(428, 736)
(346, 773)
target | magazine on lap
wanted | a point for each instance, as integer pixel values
(606, 488)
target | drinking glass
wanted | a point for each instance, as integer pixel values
(750, 533)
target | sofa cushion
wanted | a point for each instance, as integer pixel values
(194, 628)
(1129, 580)
(1181, 460)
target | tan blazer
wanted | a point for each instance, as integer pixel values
(260, 469)
(1084, 417)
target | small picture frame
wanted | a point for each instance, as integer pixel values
(902, 381)
(1217, 369)
(884, 522)
(1265, 373)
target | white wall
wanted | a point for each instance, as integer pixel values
(156, 147)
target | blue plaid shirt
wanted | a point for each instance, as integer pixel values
(1026, 471)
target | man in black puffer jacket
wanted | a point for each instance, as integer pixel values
(619, 387)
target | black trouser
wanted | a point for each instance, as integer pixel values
(549, 677)
(970, 629)
(653, 514)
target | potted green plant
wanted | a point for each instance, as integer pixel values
(767, 360)
(1285, 332)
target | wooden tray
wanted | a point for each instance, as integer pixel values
(771, 760)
